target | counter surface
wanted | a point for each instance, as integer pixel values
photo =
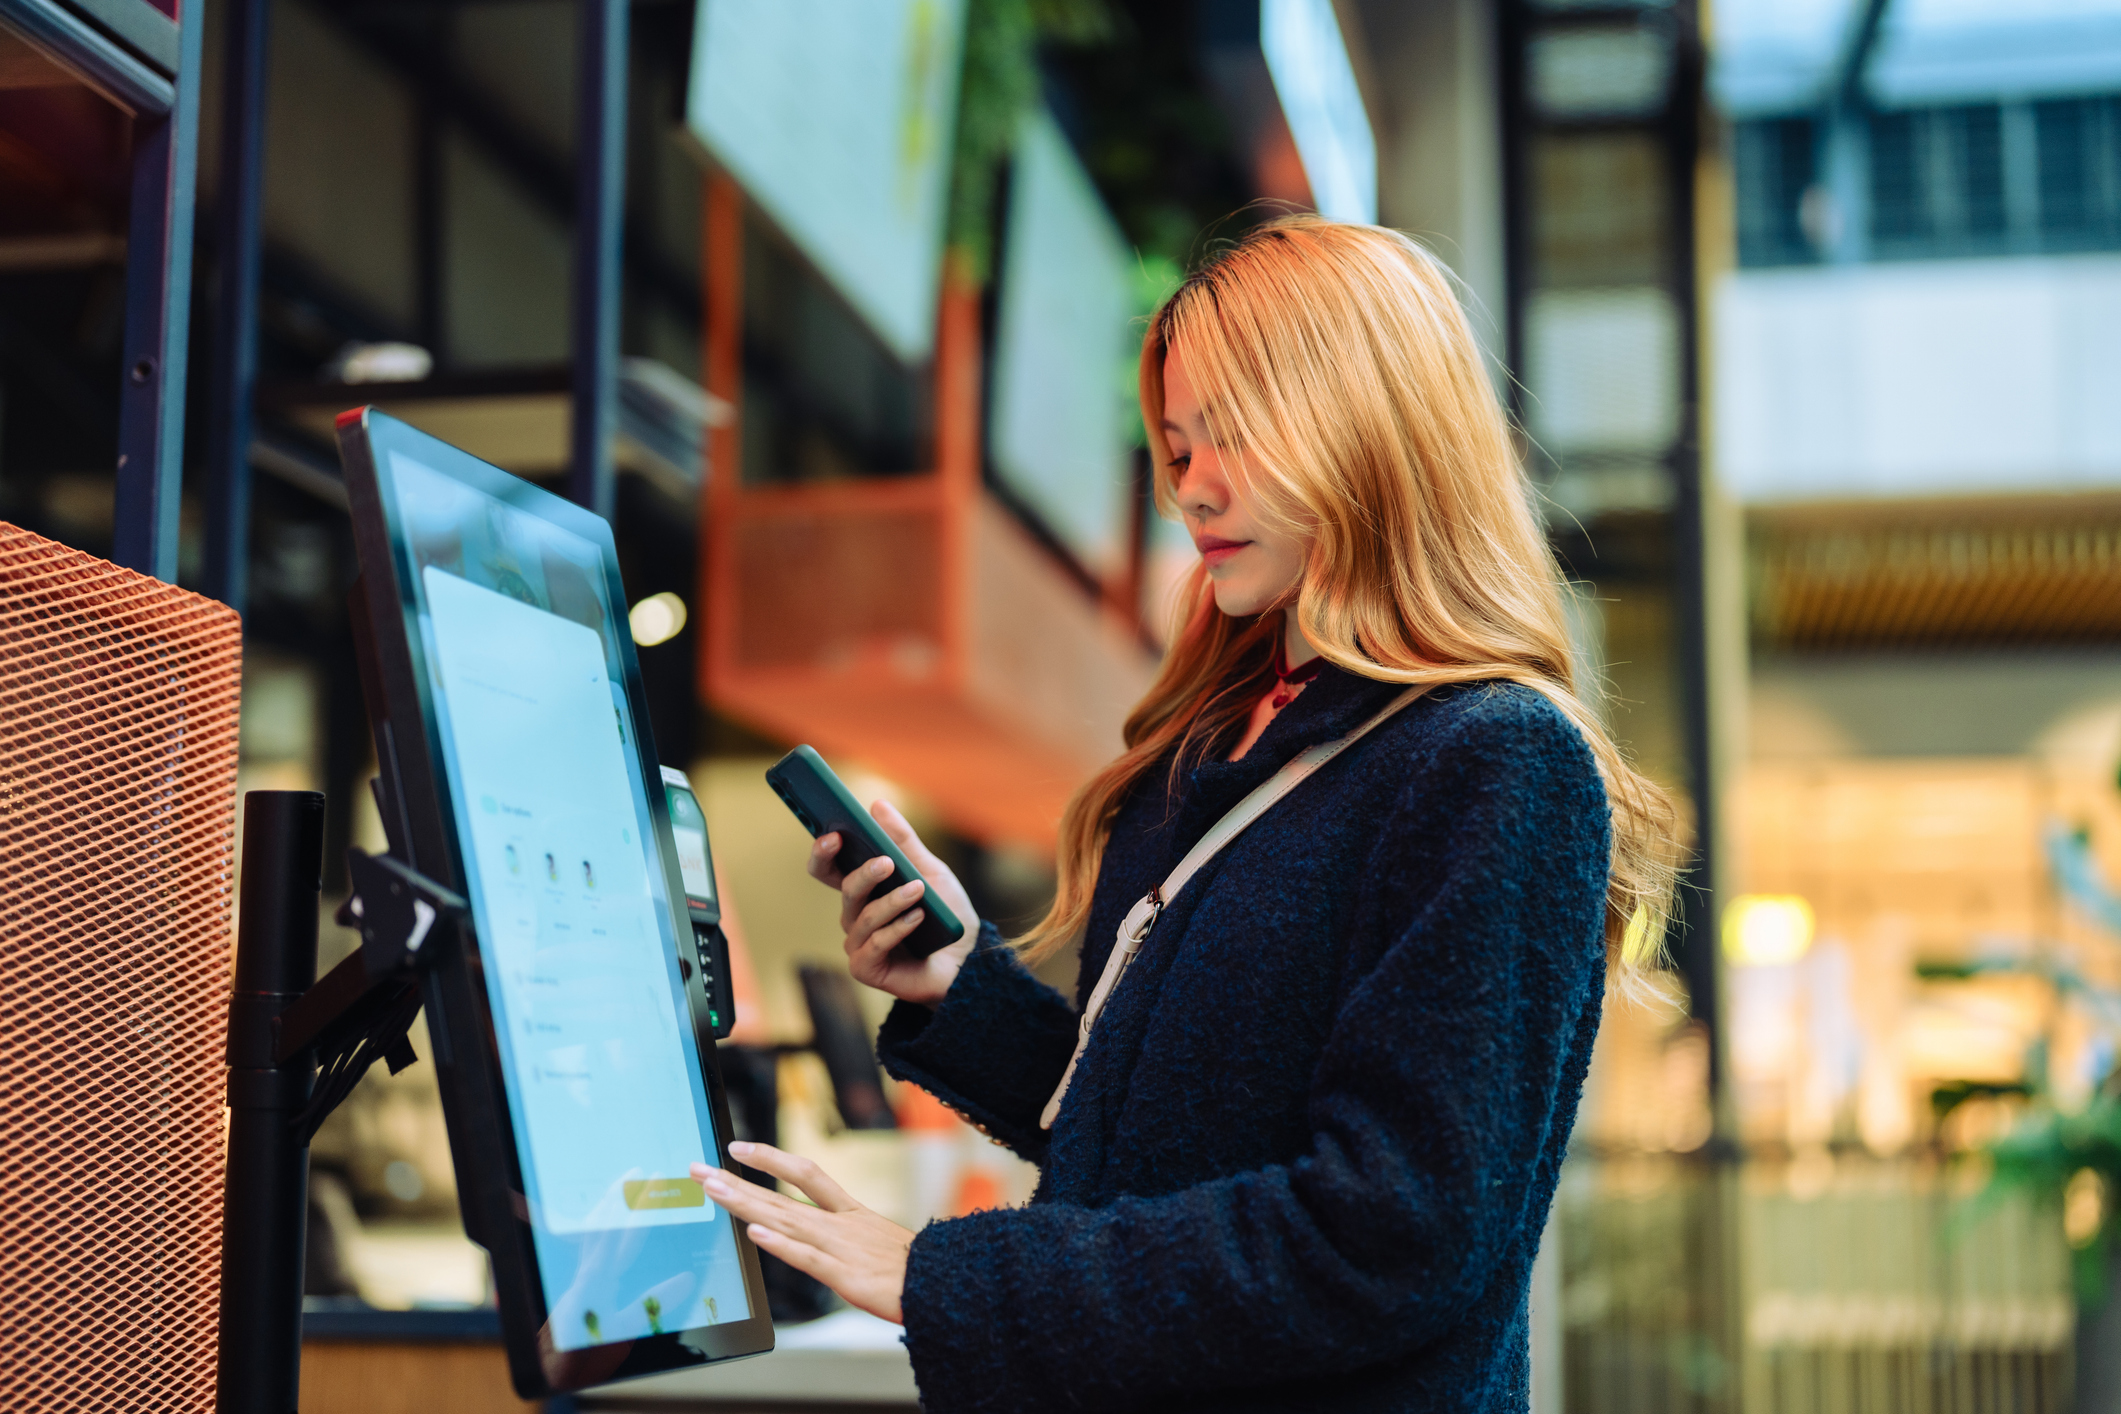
(845, 1359)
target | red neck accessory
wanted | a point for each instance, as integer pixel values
(1289, 681)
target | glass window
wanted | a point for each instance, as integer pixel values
(2063, 132)
(1776, 165)
(1975, 145)
(1899, 189)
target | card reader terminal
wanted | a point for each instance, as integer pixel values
(708, 967)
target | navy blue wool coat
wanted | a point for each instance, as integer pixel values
(1305, 1162)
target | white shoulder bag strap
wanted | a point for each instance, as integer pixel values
(1134, 928)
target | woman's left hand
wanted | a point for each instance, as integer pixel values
(852, 1250)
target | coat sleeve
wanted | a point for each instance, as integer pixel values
(1474, 977)
(993, 1050)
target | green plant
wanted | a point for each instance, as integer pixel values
(654, 1308)
(1001, 85)
(593, 1326)
(2070, 1159)
(2074, 1162)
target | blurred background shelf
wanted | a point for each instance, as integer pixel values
(522, 420)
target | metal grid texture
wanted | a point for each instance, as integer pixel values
(118, 714)
(1996, 584)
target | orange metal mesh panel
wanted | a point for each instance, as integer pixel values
(818, 583)
(118, 701)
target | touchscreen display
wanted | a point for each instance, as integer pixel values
(574, 922)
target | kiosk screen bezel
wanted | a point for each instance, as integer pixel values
(414, 797)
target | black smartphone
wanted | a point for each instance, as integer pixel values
(807, 786)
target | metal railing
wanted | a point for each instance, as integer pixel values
(1828, 1287)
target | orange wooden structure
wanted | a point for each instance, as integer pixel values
(909, 624)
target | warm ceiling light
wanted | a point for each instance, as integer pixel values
(1763, 929)
(656, 619)
(381, 363)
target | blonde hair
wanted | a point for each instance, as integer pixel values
(1335, 362)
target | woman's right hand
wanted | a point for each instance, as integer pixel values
(875, 927)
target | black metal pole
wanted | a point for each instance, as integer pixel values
(157, 322)
(430, 202)
(1511, 24)
(235, 353)
(265, 1203)
(600, 186)
(1697, 942)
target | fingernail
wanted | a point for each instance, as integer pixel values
(768, 1233)
(741, 1146)
(715, 1186)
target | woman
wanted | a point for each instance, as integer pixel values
(1305, 1158)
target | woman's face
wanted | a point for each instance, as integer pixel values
(1250, 565)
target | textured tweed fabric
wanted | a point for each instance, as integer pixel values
(1305, 1162)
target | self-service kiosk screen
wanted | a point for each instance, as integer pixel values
(575, 921)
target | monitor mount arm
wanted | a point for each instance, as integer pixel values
(362, 1009)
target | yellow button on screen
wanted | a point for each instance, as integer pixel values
(665, 1193)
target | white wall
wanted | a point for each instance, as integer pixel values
(1430, 86)
(2045, 703)
(1919, 379)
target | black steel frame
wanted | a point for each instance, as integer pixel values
(158, 321)
(1678, 129)
(149, 66)
(239, 242)
(599, 229)
(602, 242)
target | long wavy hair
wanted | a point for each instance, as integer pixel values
(1343, 382)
